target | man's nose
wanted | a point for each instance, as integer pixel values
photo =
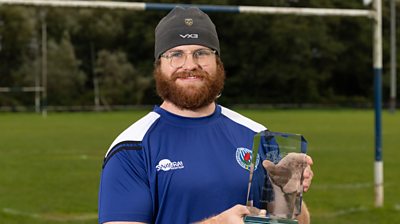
(190, 63)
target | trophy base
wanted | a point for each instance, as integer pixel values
(265, 220)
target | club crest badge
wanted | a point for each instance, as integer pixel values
(189, 21)
(244, 157)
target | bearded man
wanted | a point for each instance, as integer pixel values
(179, 163)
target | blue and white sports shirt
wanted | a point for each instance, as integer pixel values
(171, 169)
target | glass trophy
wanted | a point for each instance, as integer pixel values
(276, 176)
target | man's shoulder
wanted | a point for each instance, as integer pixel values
(137, 131)
(242, 120)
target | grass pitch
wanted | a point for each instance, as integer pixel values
(50, 167)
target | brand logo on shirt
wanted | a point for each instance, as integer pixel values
(166, 165)
(244, 157)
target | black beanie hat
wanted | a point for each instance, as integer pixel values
(185, 26)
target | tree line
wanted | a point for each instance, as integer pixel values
(269, 59)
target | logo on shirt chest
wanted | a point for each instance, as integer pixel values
(244, 157)
(167, 165)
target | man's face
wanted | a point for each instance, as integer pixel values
(191, 85)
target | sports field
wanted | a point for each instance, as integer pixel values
(49, 167)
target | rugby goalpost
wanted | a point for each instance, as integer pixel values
(375, 14)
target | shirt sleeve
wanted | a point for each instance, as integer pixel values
(124, 193)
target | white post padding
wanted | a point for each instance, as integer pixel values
(378, 174)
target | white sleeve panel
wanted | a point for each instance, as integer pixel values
(240, 119)
(136, 131)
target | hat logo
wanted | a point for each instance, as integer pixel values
(189, 21)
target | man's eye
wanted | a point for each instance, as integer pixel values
(201, 53)
(176, 54)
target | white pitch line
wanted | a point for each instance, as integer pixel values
(342, 186)
(342, 212)
(14, 212)
(347, 185)
(51, 217)
(351, 210)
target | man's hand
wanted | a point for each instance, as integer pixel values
(233, 215)
(304, 216)
(307, 174)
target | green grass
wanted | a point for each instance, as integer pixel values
(50, 167)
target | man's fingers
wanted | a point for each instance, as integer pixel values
(309, 160)
(257, 212)
(241, 210)
(308, 175)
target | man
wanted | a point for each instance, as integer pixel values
(178, 164)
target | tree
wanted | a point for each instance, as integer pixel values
(65, 79)
(268, 58)
(17, 38)
(119, 82)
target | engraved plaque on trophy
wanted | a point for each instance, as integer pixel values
(276, 176)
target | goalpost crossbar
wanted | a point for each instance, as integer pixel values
(208, 8)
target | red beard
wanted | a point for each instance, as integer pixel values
(191, 97)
